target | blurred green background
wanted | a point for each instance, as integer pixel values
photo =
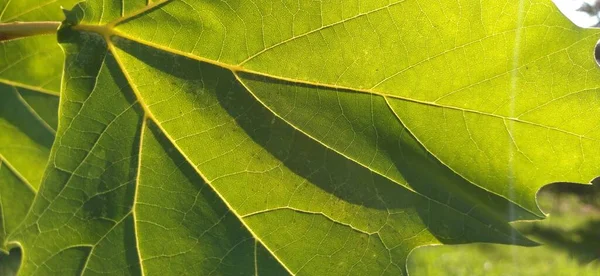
(570, 234)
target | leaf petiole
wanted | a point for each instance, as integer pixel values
(20, 29)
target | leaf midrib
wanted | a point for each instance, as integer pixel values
(108, 31)
(29, 87)
(149, 116)
(236, 70)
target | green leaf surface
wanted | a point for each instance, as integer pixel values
(30, 73)
(301, 137)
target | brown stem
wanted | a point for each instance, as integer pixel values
(20, 29)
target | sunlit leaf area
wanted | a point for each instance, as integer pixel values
(328, 137)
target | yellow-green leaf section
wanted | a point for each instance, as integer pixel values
(303, 137)
(30, 72)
